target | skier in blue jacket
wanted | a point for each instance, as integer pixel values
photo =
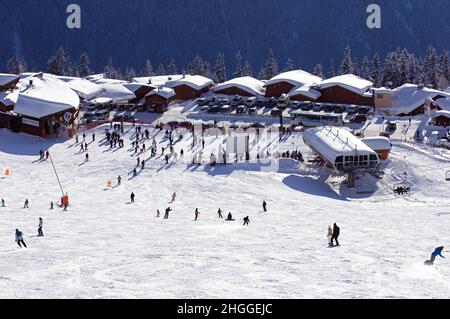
(436, 252)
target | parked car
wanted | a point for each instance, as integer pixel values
(283, 101)
(359, 118)
(102, 114)
(240, 109)
(251, 110)
(261, 102)
(276, 112)
(214, 109)
(251, 101)
(272, 102)
(202, 101)
(118, 116)
(225, 109)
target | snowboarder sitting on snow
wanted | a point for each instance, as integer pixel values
(40, 225)
(336, 233)
(19, 239)
(246, 221)
(229, 217)
(436, 252)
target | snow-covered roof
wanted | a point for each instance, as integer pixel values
(348, 81)
(134, 86)
(9, 98)
(246, 83)
(443, 103)
(7, 78)
(443, 113)
(84, 88)
(166, 93)
(101, 100)
(117, 92)
(157, 80)
(378, 143)
(297, 78)
(331, 142)
(409, 97)
(305, 90)
(108, 81)
(46, 96)
(197, 82)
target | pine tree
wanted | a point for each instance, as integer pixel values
(270, 67)
(247, 69)
(346, 65)
(376, 73)
(220, 72)
(58, 64)
(289, 66)
(148, 69)
(172, 68)
(365, 68)
(355, 67)
(198, 66)
(444, 68)
(431, 67)
(16, 65)
(130, 74)
(318, 71)
(161, 70)
(84, 67)
(110, 71)
(238, 71)
(331, 72)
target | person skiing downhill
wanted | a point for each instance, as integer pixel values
(132, 196)
(40, 225)
(168, 210)
(335, 235)
(196, 214)
(174, 197)
(436, 252)
(19, 239)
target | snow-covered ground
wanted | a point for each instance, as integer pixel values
(104, 247)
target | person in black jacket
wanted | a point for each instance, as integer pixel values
(132, 197)
(336, 233)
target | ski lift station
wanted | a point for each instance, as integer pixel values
(340, 149)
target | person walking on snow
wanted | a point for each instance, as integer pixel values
(3, 202)
(219, 213)
(86, 159)
(119, 180)
(264, 206)
(47, 155)
(51, 205)
(25, 205)
(158, 213)
(132, 196)
(246, 221)
(168, 210)
(93, 137)
(19, 239)
(40, 225)
(329, 235)
(174, 197)
(336, 233)
(436, 252)
(196, 214)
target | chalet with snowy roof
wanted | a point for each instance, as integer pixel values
(284, 83)
(140, 90)
(190, 86)
(442, 118)
(46, 106)
(159, 99)
(304, 93)
(243, 86)
(345, 89)
(411, 100)
(8, 82)
(7, 101)
(117, 93)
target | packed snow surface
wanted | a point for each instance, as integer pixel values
(105, 247)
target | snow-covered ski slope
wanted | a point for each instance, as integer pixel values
(104, 247)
